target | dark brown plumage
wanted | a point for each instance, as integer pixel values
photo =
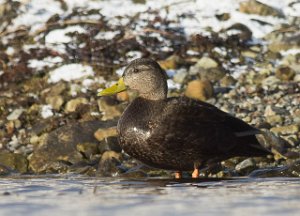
(178, 133)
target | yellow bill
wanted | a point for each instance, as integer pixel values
(114, 89)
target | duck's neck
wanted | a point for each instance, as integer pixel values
(159, 93)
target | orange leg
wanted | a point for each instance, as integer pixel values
(178, 174)
(195, 174)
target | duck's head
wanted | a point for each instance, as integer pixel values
(144, 76)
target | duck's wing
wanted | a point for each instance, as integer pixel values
(198, 112)
(203, 127)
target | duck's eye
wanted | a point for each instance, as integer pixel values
(135, 70)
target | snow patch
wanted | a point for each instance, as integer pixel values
(70, 72)
(106, 35)
(59, 35)
(46, 111)
(46, 62)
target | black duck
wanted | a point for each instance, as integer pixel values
(177, 133)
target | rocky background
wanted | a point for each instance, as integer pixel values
(241, 56)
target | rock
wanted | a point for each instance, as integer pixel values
(109, 144)
(18, 124)
(297, 78)
(13, 144)
(83, 169)
(292, 140)
(199, 89)
(284, 130)
(135, 174)
(169, 63)
(292, 170)
(270, 81)
(10, 127)
(278, 146)
(139, 1)
(57, 89)
(274, 119)
(223, 16)
(285, 73)
(241, 31)
(4, 170)
(206, 63)
(281, 39)
(14, 115)
(227, 81)
(256, 7)
(246, 166)
(212, 74)
(55, 101)
(109, 108)
(58, 149)
(103, 133)
(87, 149)
(74, 103)
(109, 164)
(249, 54)
(269, 111)
(17, 162)
(180, 76)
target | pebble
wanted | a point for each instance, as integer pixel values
(227, 81)
(256, 7)
(297, 78)
(17, 162)
(246, 166)
(199, 89)
(206, 63)
(103, 133)
(14, 115)
(270, 81)
(285, 130)
(274, 119)
(74, 103)
(87, 149)
(109, 108)
(180, 76)
(109, 144)
(285, 73)
(109, 164)
(56, 102)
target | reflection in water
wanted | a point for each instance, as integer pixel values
(73, 195)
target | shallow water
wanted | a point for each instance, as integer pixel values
(71, 195)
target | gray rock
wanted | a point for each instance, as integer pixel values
(275, 144)
(212, 74)
(246, 166)
(60, 147)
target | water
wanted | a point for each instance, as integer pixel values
(71, 195)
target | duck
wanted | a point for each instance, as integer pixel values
(177, 133)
